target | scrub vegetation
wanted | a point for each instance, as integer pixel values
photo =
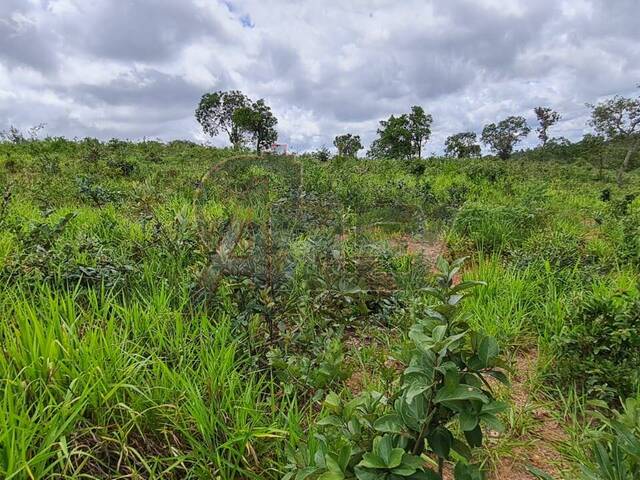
(181, 311)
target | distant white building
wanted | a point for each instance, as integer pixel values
(279, 148)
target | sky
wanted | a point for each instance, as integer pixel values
(137, 68)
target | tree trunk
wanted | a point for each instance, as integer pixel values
(627, 160)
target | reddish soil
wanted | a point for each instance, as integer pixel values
(429, 251)
(538, 448)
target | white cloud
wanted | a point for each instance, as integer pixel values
(105, 68)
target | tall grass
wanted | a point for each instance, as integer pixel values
(93, 385)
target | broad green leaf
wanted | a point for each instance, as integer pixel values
(391, 423)
(344, 455)
(466, 471)
(364, 474)
(492, 422)
(332, 400)
(454, 299)
(371, 460)
(468, 420)
(474, 437)
(332, 464)
(425, 475)
(494, 407)
(461, 392)
(461, 448)
(331, 476)
(410, 464)
(415, 389)
(439, 332)
(383, 446)
(306, 473)
(331, 420)
(404, 470)
(396, 457)
(466, 285)
(440, 441)
(488, 350)
(434, 292)
(500, 376)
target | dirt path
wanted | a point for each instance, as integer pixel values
(537, 434)
(428, 250)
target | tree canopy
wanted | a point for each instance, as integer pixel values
(348, 145)
(462, 145)
(258, 123)
(619, 118)
(402, 136)
(504, 135)
(547, 117)
(215, 113)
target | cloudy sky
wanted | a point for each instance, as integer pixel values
(137, 68)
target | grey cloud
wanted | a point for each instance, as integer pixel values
(146, 30)
(136, 68)
(148, 88)
(23, 42)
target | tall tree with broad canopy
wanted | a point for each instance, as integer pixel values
(348, 145)
(619, 119)
(402, 136)
(258, 123)
(420, 128)
(215, 114)
(462, 145)
(547, 118)
(501, 138)
(394, 139)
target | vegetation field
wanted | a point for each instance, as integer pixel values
(177, 311)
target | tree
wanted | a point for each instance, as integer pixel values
(394, 139)
(462, 145)
(348, 145)
(501, 138)
(215, 113)
(619, 119)
(420, 128)
(596, 147)
(546, 118)
(257, 122)
(402, 136)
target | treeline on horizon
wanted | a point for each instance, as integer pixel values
(247, 123)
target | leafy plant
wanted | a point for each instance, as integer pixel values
(601, 351)
(323, 154)
(97, 194)
(443, 384)
(616, 451)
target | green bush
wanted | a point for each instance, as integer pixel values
(494, 228)
(616, 450)
(601, 351)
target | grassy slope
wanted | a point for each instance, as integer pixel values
(127, 351)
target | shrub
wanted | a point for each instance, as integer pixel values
(322, 155)
(601, 351)
(122, 166)
(492, 228)
(616, 450)
(560, 248)
(490, 171)
(443, 384)
(98, 195)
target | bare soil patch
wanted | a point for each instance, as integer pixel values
(539, 441)
(428, 250)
